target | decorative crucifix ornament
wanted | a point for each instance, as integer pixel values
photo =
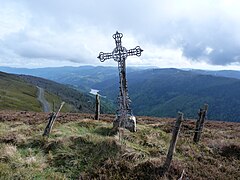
(124, 116)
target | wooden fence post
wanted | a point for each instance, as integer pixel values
(53, 108)
(97, 112)
(200, 122)
(173, 142)
(51, 121)
(197, 125)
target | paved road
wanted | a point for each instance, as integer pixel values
(43, 101)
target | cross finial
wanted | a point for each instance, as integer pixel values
(118, 36)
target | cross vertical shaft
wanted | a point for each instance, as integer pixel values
(120, 55)
(123, 98)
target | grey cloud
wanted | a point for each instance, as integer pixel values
(223, 42)
(155, 21)
(44, 47)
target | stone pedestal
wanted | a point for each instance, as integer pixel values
(130, 124)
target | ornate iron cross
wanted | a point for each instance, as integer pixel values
(120, 55)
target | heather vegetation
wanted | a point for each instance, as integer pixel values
(80, 147)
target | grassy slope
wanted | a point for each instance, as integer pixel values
(79, 101)
(56, 101)
(16, 94)
(81, 147)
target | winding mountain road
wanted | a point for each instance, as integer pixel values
(42, 100)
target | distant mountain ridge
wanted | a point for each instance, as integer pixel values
(160, 92)
(59, 74)
(164, 92)
(83, 77)
(221, 73)
(80, 77)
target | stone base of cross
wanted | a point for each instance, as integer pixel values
(124, 117)
(129, 123)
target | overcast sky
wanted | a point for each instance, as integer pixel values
(200, 34)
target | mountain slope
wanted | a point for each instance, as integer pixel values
(17, 94)
(41, 98)
(79, 101)
(222, 73)
(163, 92)
(157, 92)
(83, 77)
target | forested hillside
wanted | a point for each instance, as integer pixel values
(83, 77)
(222, 73)
(163, 92)
(80, 102)
(155, 92)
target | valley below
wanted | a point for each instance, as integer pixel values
(153, 91)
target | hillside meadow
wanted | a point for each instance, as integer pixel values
(82, 148)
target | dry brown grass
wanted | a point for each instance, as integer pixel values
(78, 140)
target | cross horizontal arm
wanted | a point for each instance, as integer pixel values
(104, 56)
(136, 51)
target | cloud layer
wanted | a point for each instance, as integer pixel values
(191, 34)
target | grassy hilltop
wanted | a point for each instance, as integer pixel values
(80, 147)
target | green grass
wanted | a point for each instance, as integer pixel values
(88, 149)
(55, 102)
(72, 148)
(15, 94)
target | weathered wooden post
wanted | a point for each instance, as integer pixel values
(197, 125)
(173, 142)
(53, 106)
(97, 112)
(52, 118)
(200, 122)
